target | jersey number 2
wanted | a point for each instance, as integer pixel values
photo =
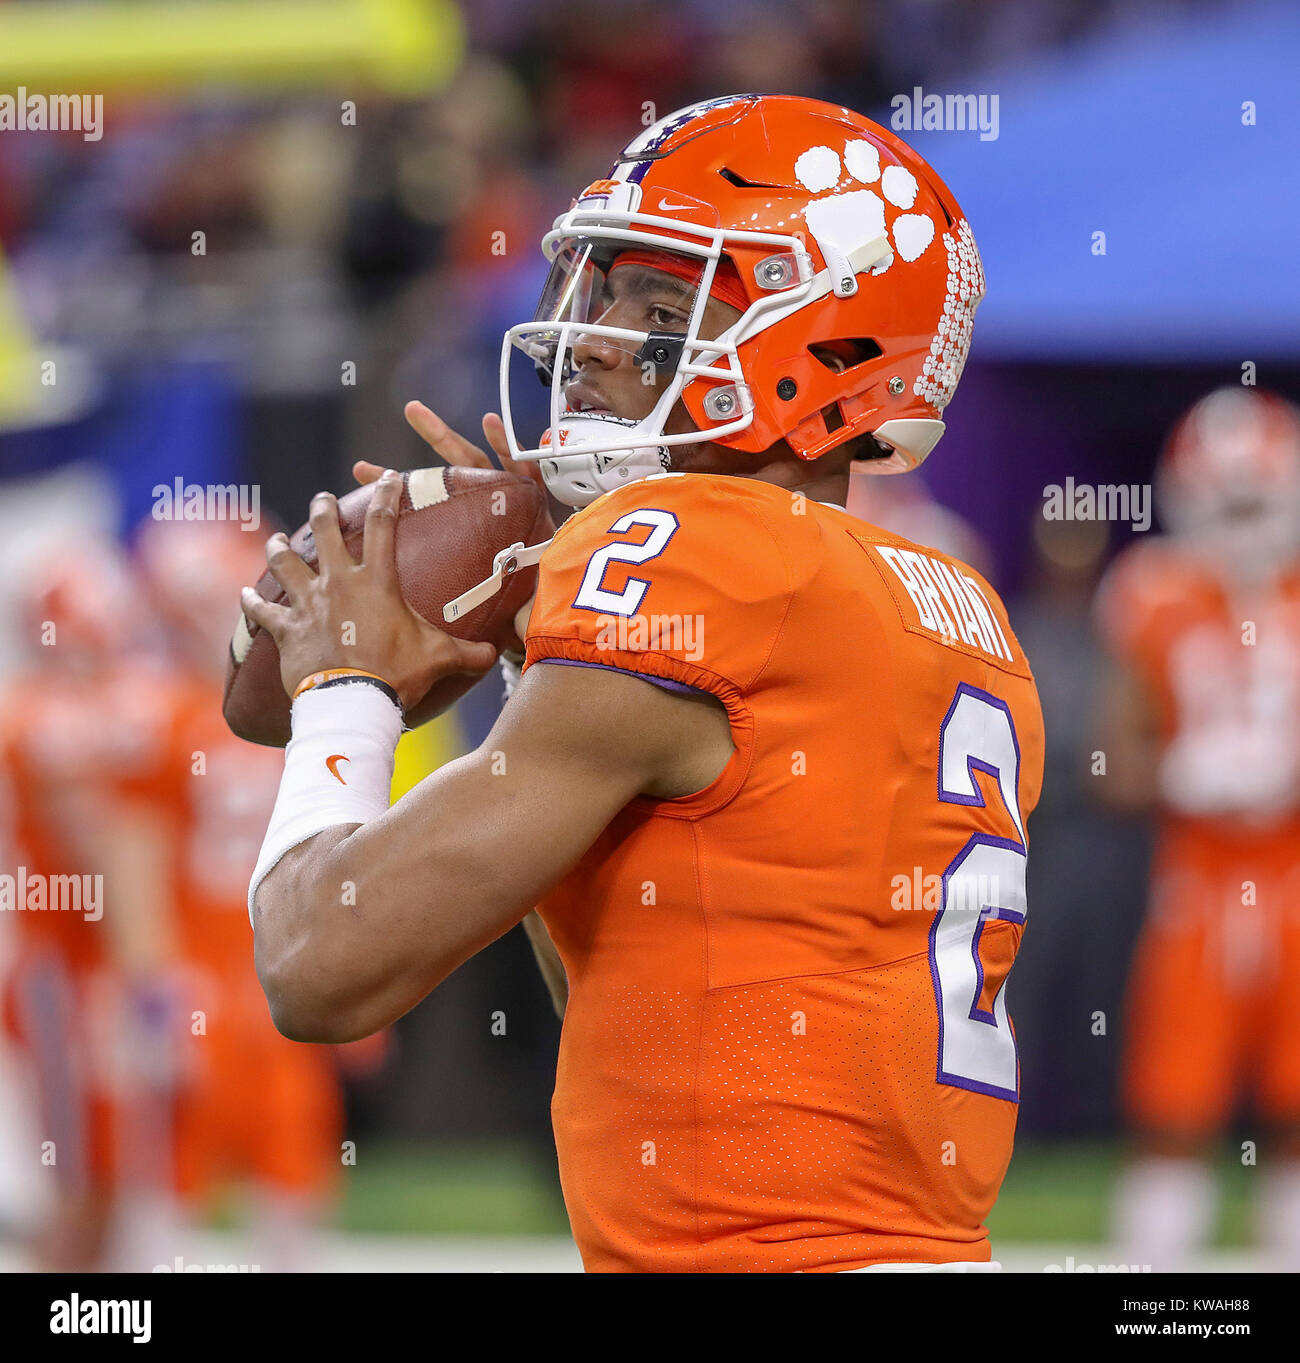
(984, 881)
(663, 525)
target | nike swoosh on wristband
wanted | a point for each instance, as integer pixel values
(334, 771)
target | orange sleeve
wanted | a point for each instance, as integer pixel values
(681, 578)
(152, 768)
(1136, 608)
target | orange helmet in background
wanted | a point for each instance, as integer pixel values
(1228, 478)
(78, 603)
(194, 570)
(824, 229)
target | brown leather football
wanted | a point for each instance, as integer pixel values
(451, 524)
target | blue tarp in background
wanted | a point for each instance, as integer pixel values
(1138, 133)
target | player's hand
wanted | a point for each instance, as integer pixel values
(455, 449)
(348, 614)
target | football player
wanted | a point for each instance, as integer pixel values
(64, 996)
(251, 1109)
(1202, 729)
(767, 770)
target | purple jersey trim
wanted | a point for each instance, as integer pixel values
(627, 671)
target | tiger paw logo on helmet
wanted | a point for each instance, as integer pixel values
(910, 235)
(822, 168)
(850, 272)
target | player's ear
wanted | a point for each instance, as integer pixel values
(842, 354)
(830, 357)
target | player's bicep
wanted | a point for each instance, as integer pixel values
(501, 825)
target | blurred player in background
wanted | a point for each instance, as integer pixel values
(159, 1076)
(251, 1107)
(74, 719)
(1201, 726)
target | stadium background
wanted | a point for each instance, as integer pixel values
(407, 243)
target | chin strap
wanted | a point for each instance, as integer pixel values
(508, 561)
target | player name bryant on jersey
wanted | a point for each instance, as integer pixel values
(948, 602)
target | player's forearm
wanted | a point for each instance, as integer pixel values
(1128, 781)
(340, 954)
(1130, 786)
(357, 924)
(345, 947)
(140, 921)
(297, 955)
(320, 953)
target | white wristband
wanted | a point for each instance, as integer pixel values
(338, 768)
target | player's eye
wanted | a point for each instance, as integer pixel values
(666, 319)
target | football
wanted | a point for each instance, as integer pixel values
(451, 524)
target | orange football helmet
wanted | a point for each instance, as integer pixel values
(77, 602)
(194, 570)
(1228, 478)
(820, 227)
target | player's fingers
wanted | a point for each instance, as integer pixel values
(286, 567)
(331, 553)
(494, 429)
(366, 472)
(440, 438)
(263, 613)
(379, 536)
(473, 658)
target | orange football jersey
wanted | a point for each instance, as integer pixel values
(787, 1043)
(64, 739)
(1221, 669)
(251, 1102)
(1213, 1003)
(220, 791)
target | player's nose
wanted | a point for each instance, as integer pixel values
(602, 351)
